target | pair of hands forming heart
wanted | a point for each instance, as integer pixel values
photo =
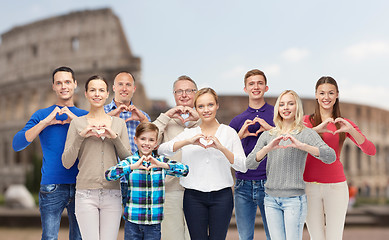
(345, 126)
(101, 131)
(275, 143)
(136, 114)
(183, 113)
(263, 126)
(59, 116)
(147, 163)
(206, 141)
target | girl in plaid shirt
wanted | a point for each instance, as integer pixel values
(146, 173)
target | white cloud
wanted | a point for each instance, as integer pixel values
(235, 73)
(364, 94)
(272, 69)
(295, 54)
(368, 49)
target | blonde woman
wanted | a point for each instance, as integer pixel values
(286, 147)
(209, 150)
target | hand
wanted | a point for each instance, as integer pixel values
(106, 132)
(213, 142)
(51, 118)
(90, 131)
(70, 115)
(322, 127)
(139, 164)
(275, 143)
(116, 112)
(136, 114)
(154, 163)
(177, 111)
(196, 140)
(263, 126)
(244, 131)
(345, 126)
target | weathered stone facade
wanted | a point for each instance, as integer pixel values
(90, 42)
(369, 173)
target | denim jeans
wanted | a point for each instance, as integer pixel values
(133, 231)
(249, 194)
(208, 214)
(53, 199)
(286, 216)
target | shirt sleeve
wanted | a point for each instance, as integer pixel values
(367, 146)
(167, 147)
(19, 141)
(72, 146)
(161, 122)
(176, 169)
(326, 153)
(251, 160)
(239, 155)
(121, 169)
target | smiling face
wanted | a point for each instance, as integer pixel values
(64, 85)
(326, 95)
(97, 93)
(287, 107)
(146, 142)
(181, 96)
(255, 87)
(124, 88)
(207, 107)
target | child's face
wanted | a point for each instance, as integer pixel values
(146, 142)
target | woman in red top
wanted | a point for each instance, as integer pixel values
(326, 186)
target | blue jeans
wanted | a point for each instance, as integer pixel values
(286, 216)
(208, 214)
(248, 195)
(133, 231)
(53, 199)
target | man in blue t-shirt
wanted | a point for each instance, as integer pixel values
(249, 187)
(51, 124)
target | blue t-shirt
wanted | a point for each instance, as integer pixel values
(266, 112)
(52, 140)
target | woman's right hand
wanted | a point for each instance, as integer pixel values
(89, 131)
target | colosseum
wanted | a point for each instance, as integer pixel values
(93, 42)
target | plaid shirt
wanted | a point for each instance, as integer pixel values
(146, 189)
(131, 125)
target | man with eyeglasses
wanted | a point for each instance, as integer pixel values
(170, 124)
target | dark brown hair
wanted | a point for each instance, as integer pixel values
(315, 118)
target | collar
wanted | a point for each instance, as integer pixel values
(262, 109)
(112, 104)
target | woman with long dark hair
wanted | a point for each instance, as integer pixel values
(326, 186)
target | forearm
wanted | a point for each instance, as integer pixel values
(179, 144)
(262, 153)
(314, 151)
(33, 132)
(229, 155)
(358, 137)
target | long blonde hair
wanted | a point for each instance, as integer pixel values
(298, 124)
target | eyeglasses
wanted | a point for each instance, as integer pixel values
(187, 91)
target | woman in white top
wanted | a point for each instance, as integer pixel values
(209, 150)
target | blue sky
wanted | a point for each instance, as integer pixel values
(217, 42)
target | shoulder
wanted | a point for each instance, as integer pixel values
(78, 112)
(227, 129)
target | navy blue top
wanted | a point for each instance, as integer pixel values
(266, 112)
